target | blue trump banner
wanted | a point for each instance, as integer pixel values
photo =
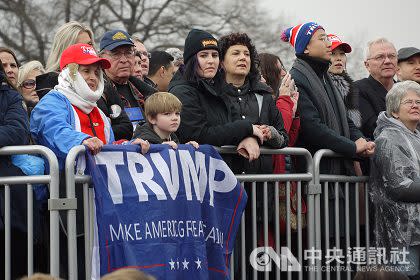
(171, 213)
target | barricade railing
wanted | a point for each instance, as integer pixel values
(254, 229)
(265, 181)
(352, 195)
(71, 180)
(52, 179)
(243, 262)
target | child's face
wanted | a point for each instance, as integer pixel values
(167, 122)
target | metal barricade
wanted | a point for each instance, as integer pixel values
(326, 183)
(71, 180)
(53, 181)
(265, 179)
(244, 263)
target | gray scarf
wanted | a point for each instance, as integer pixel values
(326, 110)
(324, 105)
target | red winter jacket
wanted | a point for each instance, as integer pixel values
(285, 105)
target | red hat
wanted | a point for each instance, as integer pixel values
(82, 54)
(336, 42)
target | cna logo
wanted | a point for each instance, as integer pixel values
(262, 259)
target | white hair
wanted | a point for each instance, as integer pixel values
(27, 68)
(381, 40)
(397, 93)
(176, 53)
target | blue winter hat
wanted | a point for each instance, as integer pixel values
(115, 38)
(300, 35)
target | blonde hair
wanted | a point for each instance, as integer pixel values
(127, 274)
(40, 276)
(27, 68)
(65, 36)
(161, 102)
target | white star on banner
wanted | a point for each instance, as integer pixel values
(185, 264)
(198, 262)
(172, 263)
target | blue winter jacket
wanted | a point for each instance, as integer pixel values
(14, 127)
(53, 124)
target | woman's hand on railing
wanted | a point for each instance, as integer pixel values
(94, 144)
(249, 148)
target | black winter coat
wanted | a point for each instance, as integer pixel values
(245, 106)
(14, 124)
(145, 88)
(14, 130)
(121, 129)
(371, 102)
(206, 115)
(314, 134)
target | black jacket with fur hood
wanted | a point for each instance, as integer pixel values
(350, 94)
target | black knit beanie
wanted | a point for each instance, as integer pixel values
(198, 40)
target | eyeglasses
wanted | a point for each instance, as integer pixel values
(145, 54)
(411, 102)
(117, 55)
(325, 39)
(28, 84)
(382, 57)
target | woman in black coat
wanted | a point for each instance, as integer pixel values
(251, 99)
(206, 115)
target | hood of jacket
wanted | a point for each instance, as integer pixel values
(385, 122)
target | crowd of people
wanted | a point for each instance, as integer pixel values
(223, 92)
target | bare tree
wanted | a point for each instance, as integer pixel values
(25, 25)
(159, 23)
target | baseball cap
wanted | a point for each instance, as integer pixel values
(115, 38)
(82, 54)
(336, 42)
(406, 53)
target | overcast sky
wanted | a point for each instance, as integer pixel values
(356, 21)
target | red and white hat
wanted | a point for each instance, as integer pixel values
(336, 42)
(82, 54)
